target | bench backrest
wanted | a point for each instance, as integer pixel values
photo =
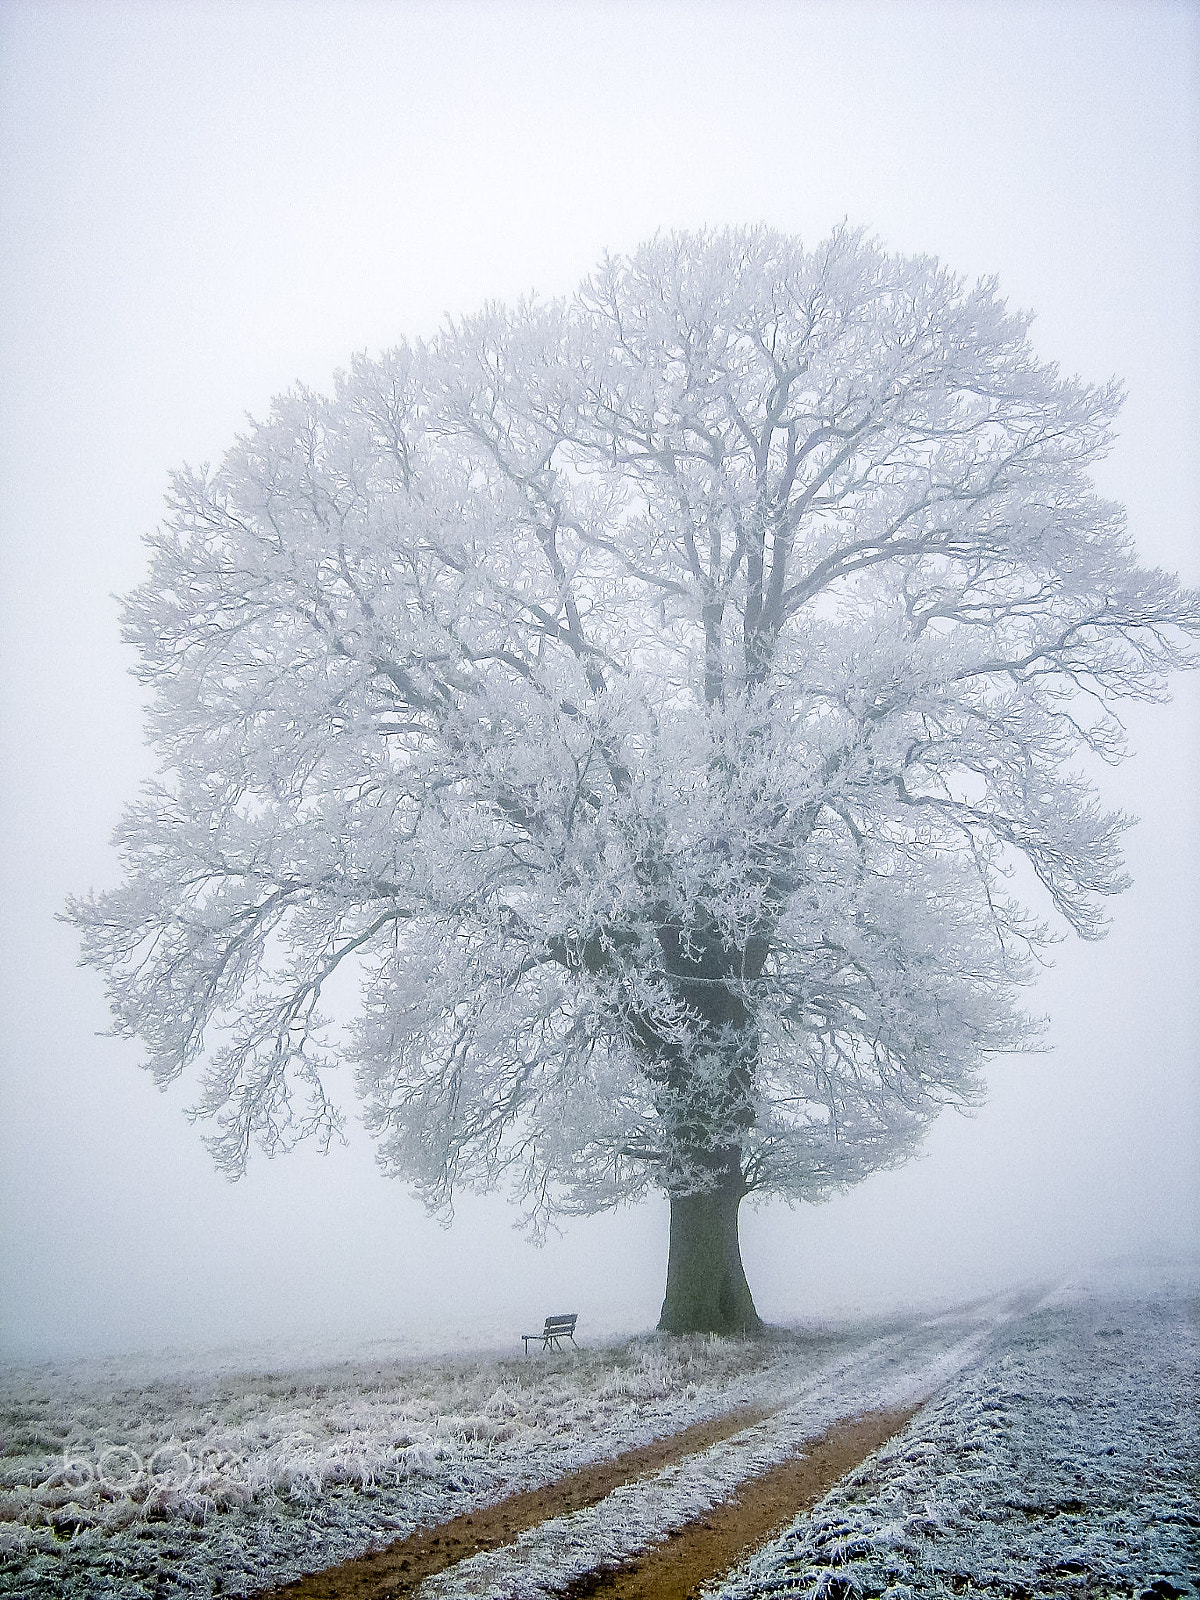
(562, 1324)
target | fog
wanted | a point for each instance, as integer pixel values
(202, 205)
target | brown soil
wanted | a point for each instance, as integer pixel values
(399, 1568)
(692, 1558)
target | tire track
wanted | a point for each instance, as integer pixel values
(399, 1569)
(692, 1558)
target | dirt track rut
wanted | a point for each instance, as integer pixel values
(400, 1568)
(676, 1569)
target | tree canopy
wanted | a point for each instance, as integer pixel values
(648, 695)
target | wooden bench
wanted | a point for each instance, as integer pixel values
(556, 1330)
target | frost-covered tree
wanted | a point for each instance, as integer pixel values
(648, 696)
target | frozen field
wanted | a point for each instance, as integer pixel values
(1059, 1457)
(219, 1483)
(1066, 1463)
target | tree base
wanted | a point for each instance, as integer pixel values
(707, 1290)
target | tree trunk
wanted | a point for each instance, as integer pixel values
(707, 1290)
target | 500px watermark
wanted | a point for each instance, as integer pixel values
(120, 1468)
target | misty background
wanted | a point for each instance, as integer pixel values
(204, 204)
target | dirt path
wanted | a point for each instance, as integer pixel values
(399, 1568)
(676, 1569)
(684, 1564)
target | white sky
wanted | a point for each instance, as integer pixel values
(203, 203)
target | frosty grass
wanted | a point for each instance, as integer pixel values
(1059, 1458)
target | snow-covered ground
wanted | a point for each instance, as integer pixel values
(1066, 1463)
(1058, 1458)
(117, 1482)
